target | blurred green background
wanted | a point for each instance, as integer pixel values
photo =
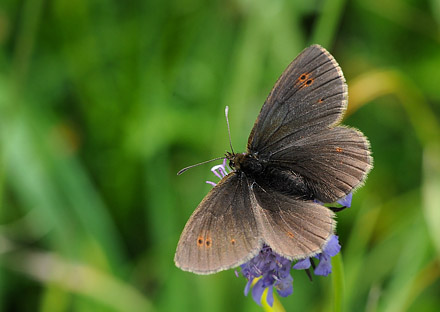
(102, 102)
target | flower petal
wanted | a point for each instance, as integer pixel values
(302, 264)
(269, 296)
(247, 287)
(257, 291)
(212, 183)
(346, 201)
(284, 287)
(222, 171)
(333, 247)
(324, 267)
(214, 171)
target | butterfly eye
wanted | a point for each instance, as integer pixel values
(200, 241)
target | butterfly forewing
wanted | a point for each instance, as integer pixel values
(310, 96)
(222, 232)
(292, 227)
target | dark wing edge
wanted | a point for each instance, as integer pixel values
(293, 228)
(222, 233)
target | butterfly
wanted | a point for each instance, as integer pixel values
(297, 155)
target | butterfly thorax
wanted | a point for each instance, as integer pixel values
(247, 163)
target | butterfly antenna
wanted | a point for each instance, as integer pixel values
(203, 162)
(229, 130)
(218, 158)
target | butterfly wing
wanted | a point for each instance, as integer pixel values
(222, 233)
(310, 95)
(292, 227)
(296, 128)
(334, 162)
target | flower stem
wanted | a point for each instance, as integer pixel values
(277, 306)
(338, 281)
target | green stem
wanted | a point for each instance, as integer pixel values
(277, 306)
(338, 281)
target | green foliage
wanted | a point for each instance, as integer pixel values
(102, 102)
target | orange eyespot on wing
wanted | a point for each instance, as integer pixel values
(208, 242)
(303, 77)
(200, 241)
(304, 80)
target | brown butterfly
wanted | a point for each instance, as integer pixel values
(296, 154)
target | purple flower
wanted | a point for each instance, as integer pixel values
(346, 201)
(272, 270)
(324, 267)
(220, 171)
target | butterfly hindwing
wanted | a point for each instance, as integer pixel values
(292, 227)
(334, 162)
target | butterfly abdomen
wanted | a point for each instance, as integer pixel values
(284, 181)
(271, 177)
